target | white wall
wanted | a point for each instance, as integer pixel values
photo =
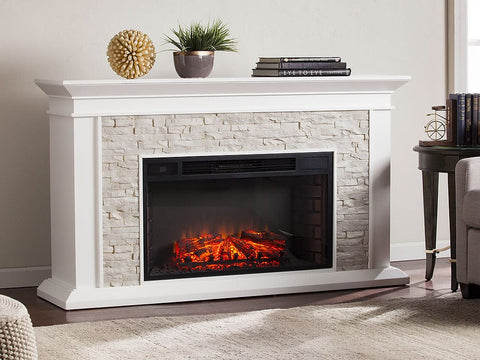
(65, 39)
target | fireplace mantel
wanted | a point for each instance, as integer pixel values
(173, 96)
(77, 109)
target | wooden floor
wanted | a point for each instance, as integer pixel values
(44, 313)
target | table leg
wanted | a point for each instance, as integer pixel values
(453, 233)
(430, 207)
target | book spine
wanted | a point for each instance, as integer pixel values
(300, 59)
(468, 119)
(478, 120)
(460, 119)
(303, 65)
(308, 59)
(451, 121)
(286, 73)
(475, 119)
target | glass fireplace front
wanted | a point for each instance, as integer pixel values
(236, 214)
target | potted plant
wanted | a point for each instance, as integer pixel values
(197, 45)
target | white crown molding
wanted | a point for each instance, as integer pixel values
(206, 87)
(86, 98)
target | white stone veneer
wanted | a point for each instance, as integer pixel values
(126, 138)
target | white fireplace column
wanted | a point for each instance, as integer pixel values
(78, 109)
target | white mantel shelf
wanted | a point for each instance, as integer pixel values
(85, 98)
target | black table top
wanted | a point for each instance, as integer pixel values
(448, 150)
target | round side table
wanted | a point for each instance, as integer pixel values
(433, 160)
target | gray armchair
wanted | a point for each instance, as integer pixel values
(467, 179)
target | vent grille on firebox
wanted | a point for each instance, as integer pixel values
(237, 166)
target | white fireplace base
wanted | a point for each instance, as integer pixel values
(76, 112)
(218, 287)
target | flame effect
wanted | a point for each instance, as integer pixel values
(216, 252)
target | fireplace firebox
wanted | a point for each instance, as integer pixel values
(236, 214)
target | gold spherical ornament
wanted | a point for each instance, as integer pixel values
(131, 54)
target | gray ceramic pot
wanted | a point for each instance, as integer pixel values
(193, 64)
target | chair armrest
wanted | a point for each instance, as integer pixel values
(468, 174)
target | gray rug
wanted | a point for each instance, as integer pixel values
(431, 328)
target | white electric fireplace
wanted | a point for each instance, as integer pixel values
(191, 189)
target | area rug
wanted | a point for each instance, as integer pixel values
(429, 328)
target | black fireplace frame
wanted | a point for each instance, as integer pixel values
(244, 166)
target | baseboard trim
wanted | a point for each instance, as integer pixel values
(24, 277)
(415, 250)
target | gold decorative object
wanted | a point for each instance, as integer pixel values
(131, 54)
(436, 128)
(439, 128)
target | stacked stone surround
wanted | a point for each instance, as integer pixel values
(126, 139)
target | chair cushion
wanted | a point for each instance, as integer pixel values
(471, 208)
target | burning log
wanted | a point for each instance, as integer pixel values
(198, 248)
(264, 237)
(252, 235)
(213, 252)
(225, 250)
(266, 243)
(244, 247)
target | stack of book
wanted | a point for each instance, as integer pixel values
(462, 119)
(301, 66)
